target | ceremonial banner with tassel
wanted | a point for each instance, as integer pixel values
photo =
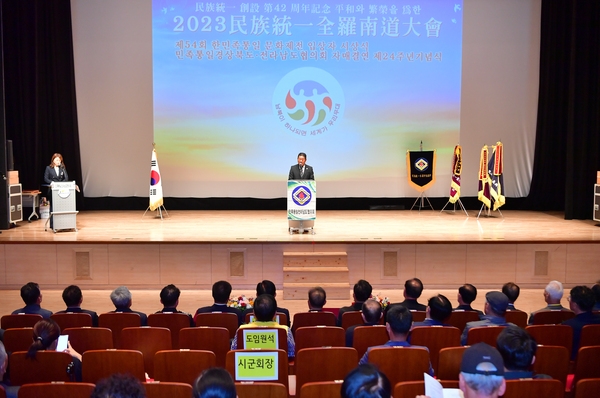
(496, 178)
(483, 193)
(156, 194)
(456, 170)
(421, 169)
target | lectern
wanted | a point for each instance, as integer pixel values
(302, 205)
(63, 215)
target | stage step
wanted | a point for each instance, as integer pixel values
(299, 291)
(303, 270)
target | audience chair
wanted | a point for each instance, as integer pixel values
(280, 316)
(117, 321)
(418, 316)
(182, 366)
(484, 334)
(435, 338)
(369, 336)
(56, 390)
(552, 335)
(587, 365)
(323, 364)
(72, 320)
(410, 389)
(552, 317)
(547, 388)
(323, 318)
(553, 361)
(225, 320)
(19, 321)
(282, 366)
(262, 390)
(166, 389)
(590, 336)
(18, 339)
(148, 340)
(587, 388)
(2, 392)
(323, 389)
(281, 337)
(389, 360)
(87, 338)
(449, 363)
(174, 322)
(47, 366)
(351, 318)
(100, 364)
(517, 317)
(215, 339)
(319, 336)
(459, 319)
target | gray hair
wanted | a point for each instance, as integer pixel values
(121, 296)
(554, 290)
(483, 384)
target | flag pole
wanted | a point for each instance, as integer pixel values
(156, 195)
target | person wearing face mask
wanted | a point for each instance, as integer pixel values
(301, 171)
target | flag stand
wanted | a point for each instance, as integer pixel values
(488, 213)
(160, 209)
(421, 199)
(454, 210)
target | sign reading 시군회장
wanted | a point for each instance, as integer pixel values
(256, 366)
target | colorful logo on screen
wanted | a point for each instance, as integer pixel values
(301, 196)
(421, 164)
(154, 177)
(308, 101)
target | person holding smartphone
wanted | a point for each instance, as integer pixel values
(46, 335)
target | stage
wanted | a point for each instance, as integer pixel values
(192, 249)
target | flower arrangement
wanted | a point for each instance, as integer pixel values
(241, 302)
(384, 301)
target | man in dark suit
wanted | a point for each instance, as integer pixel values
(301, 171)
(467, 293)
(361, 293)
(371, 315)
(122, 300)
(317, 298)
(268, 287)
(221, 291)
(512, 291)
(581, 302)
(32, 297)
(169, 298)
(73, 298)
(412, 291)
(438, 311)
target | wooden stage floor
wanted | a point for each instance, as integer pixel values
(390, 226)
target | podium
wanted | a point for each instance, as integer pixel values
(301, 205)
(63, 215)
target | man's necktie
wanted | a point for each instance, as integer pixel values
(301, 172)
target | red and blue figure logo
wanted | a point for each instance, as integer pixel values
(308, 101)
(301, 196)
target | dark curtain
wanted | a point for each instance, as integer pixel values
(41, 112)
(568, 127)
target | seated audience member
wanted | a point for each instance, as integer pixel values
(398, 324)
(73, 298)
(221, 291)
(360, 293)
(517, 348)
(45, 337)
(412, 291)
(552, 295)
(11, 391)
(214, 383)
(32, 297)
(512, 291)
(482, 372)
(268, 287)
(371, 315)
(119, 386)
(122, 300)
(366, 381)
(169, 298)
(467, 293)
(265, 307)
(596, 290)
(438, 311)
(495, 311)
(581, 302)
(317, 298)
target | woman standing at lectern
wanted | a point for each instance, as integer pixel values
(55, 172)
